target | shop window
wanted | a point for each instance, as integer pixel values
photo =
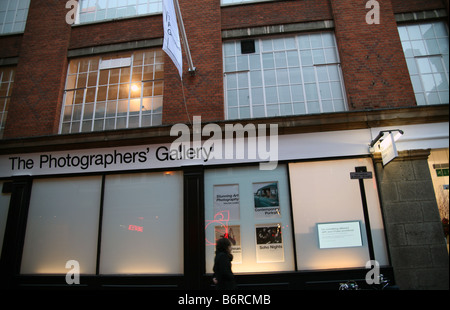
(62, 225)
(13, 15)
(426, 50)
(6, 86)
(283, 76)
(114, 92)
(4, 207)
(141, 224)
(142, 231)
(98, 10)
(251, 208)
(330, 231)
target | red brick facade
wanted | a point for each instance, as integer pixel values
(373, 64)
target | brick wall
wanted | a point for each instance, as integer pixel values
(401, 6)
(116, 31)
(10, 46)
(375, 72)
(204, 91)
(275, 13)
(40, 73)
(373, 64)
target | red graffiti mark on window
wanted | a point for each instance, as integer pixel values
(220, 218)
(136, 228)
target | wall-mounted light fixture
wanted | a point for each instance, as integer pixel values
(380, 136)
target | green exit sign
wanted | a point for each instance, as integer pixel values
(442, 172)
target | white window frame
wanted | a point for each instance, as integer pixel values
(315, 66)
(425, 55)
(154, 115)
(15, 6)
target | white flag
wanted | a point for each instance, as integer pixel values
(172, 45)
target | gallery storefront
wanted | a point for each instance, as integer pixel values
(139, 216)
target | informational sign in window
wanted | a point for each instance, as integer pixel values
(226, 198)
(339, 235)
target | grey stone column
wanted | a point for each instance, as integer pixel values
(417, 246)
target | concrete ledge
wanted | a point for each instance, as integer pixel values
(277, 29)
(420, 16)
(286, 125)
(114, 47)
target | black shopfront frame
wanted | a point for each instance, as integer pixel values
(194, 277)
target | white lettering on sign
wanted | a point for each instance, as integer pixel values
(220, 147)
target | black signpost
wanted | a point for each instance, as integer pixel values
(360, 174)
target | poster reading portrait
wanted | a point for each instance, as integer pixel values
(232, 233)
(266, 200)
(226, 200)
(269, 243)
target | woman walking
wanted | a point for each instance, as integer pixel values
(223, 276)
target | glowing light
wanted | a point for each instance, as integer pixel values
(136, 228)
(134, 88)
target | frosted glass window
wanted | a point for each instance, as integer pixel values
(13, 15)
(322, 192)
(142, 231)
(284, 76)
(426, 50)
(252, 208)
(98, 10)
(62, 225)
(4, 207)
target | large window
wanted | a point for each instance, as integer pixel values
(13, 15)
(426, 50)
(114, 92)
(283, 76)
(141, 224)
(142, 229)
(252, 208)
(330, 228)
(97, 10)
(62, 225)
(6, 86)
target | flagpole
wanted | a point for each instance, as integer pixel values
(184, 38)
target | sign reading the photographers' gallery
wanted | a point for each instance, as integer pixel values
(339, 235)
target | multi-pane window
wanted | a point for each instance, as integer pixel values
(96, 10)
(6, 86)
(13, 15)
(118, 91)
(140, 213)
(283, 76)
(426, 49)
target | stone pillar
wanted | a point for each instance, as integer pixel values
(414, 231)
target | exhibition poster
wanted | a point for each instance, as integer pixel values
(269, 243)
(226, 198)
(267, 204)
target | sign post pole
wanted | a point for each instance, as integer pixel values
(361, 174)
